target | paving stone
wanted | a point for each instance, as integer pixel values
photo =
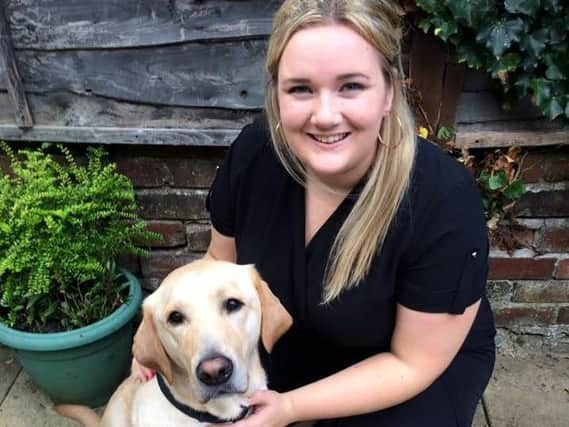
(9, 369)
(479, 418)
(26, 406)
(529, 392)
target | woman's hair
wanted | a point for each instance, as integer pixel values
(364, 230)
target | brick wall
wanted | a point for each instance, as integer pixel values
(529, 287)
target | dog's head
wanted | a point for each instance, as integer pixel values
(201, 328)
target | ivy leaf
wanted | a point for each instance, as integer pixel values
(429, 6)
(445, 30)
(557, 66)
(552, 5)
(497, 180)
(515, 190)
(526, 7)
(471, 54)
(523, 84)
(505, 64)
(473, 13)
(534, 43)
(552, 108)
(542, 90)
(5, 227)
(498, 37)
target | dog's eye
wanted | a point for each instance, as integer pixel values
(232, 305)
(175, 318)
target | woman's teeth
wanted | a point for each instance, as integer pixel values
(329, 139)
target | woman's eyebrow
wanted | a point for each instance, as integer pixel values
(349, 76)
(296, 80)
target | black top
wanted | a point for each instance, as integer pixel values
(434, 258)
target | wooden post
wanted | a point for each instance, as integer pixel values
(15, 86)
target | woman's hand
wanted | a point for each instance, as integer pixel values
(140, 373)
(272, 409)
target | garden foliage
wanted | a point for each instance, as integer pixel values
(62, 226)
(523, 44)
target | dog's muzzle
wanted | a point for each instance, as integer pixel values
(214, 370)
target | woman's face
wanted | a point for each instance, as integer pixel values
(332, 98)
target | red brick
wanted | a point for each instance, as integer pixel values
(158, 264)
(555, 240)
(562, 269)
(172, 204)
(144, 172)
(521, 268)
(199, 236)
(517, 316)
(532, 167)
(563, 316)
(558, 169)
(173, 233)
(129, 262)
(193, 172)
(543, 204)
(512, 237)
(542, 292)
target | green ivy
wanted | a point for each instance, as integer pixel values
(62, 226)
(523, 44)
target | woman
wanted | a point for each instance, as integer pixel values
(375, 242)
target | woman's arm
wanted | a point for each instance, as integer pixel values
(221, 247)
(422, 347)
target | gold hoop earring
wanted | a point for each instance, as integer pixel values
(380, 139)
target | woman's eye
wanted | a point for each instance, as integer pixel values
(352, 86)
(232, 305)
(299, 90)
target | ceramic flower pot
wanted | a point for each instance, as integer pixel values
(82, 366)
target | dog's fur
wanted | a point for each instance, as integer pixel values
(198, 292)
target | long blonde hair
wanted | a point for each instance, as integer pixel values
(363, 232)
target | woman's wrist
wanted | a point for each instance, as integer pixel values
(289, 407)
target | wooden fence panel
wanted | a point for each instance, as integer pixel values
(86, 24)
(223, 75)
(11, 77)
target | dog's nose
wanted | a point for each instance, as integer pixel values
(214, 370)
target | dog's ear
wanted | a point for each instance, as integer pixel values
(275, 320)
(148, 350)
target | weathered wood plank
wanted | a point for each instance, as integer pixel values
(12, 77)
(59, 24)
(426, 67)
(223, 75)
(506, 134)
(108, 135)
(476, 81)
(68, 109)
(475, 107)
(452, 88)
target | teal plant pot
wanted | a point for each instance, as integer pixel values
(83, 366)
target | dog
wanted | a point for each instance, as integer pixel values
(200, 332)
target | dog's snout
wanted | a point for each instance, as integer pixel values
(215, 370)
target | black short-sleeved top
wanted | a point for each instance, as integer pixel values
(434, 258)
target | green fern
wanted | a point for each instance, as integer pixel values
(62, 226)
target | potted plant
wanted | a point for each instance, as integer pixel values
(65, 307)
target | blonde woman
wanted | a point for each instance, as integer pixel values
(374, 241)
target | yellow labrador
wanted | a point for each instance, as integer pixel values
(200, 332)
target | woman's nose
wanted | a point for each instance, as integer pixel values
(326, 112)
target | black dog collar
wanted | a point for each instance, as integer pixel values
(204, 417)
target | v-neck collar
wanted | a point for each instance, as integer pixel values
(337, 216)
